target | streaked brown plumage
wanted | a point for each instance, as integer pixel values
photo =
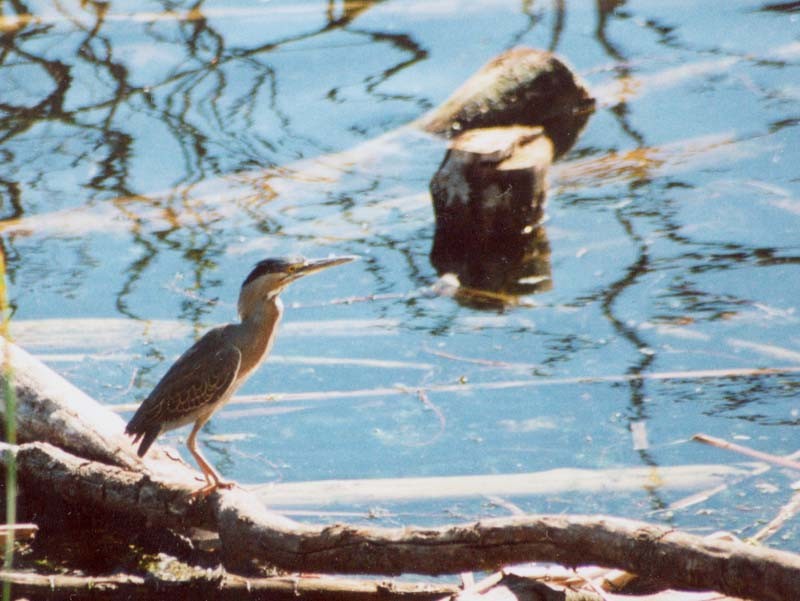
(209, 372)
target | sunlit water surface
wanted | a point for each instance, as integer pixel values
(150, 159)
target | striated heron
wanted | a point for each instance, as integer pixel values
(207, 375)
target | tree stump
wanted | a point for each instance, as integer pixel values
(522, 86)
(488, 198)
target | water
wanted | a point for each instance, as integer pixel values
(150, 160)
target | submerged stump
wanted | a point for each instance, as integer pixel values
(507, 124)
(522, 86)
(488, 198)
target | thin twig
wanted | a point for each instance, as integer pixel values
(786, 513)
(705, 495)
(327, 395)
(732, 446)
(592, 585)
(129, 387)
(439, 414)
(350, 300)
(487, 362)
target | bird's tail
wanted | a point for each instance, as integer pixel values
(141, 430)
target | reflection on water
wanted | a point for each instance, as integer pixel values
(152, 152)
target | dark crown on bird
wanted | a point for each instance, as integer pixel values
(275, 265)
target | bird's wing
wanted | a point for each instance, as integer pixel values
(201, 376)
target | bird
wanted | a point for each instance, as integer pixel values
(205, 377)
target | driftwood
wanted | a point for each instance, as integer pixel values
(509, 121)
(50, 408)
(215, 585)
(248, 531)
(488, 199)
(559, 481)
(309, 588)
(522, 86)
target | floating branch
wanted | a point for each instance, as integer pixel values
(560, 481)
(737, 448)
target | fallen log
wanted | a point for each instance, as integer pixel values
(143, 498)
(558, 481)
(248, 531)
(50, 408)
(656, 553)
(213, 585)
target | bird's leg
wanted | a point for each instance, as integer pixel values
(213, 479)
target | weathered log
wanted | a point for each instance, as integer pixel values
(213, 585)
(488, 198)
(249, 532)
(50, 408)
(134, 494)
(553, 482)
(522, 86)
(657, 553)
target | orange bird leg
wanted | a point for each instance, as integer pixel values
(213, 479)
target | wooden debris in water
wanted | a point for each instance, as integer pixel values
(488, 198)
(549, 482)
(737, 448)
(522, 86)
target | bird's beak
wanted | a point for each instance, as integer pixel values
(310, 266)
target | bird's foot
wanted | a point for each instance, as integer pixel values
(202, 493)
(210, 487)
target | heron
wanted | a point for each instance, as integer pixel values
(205, 377)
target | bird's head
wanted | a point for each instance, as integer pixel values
(270, 276)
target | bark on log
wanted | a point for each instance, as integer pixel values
(220, 586)
(488, 198)
(50, 408)
(248, 531)
(137, 495)
(522, 86)
(658, 553)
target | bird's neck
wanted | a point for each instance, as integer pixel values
(257, 333)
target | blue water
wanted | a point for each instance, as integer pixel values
(158, 159)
